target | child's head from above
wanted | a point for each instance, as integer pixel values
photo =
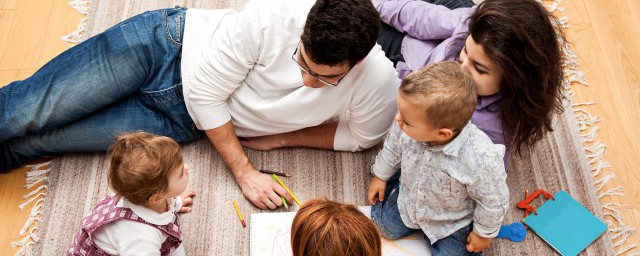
(514, 49)
(323, 228)
(436, 102)
(146, 168)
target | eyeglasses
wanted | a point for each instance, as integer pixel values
(311, 73)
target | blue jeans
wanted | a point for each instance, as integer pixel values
(452, 4)
(387, 217)
(124, 79)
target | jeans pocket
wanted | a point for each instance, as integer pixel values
(170, 102)
(173, 21)
(169, 96)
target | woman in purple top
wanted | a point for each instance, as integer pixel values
(510, 47)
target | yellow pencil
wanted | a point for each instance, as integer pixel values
(244, 225)
(284, 202)
(286, 188)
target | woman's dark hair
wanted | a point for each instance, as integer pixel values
(522, 38)
(340, 30)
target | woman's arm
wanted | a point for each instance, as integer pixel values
(420, 19)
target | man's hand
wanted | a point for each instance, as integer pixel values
(187, 200)
(376, 190)
(476, 243)
(261, 190)
(268, 142)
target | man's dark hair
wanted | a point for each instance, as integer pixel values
(340, 30)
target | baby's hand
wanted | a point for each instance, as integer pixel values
(187, 200)
(476, 243)
(376, 190)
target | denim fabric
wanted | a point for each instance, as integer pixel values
(452, 4)
(387, 217)
(390, 39)
(386, 214)
(124, 79)
(454, 244)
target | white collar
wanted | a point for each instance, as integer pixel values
(151, 216)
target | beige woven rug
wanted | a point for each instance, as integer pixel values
(76, 182)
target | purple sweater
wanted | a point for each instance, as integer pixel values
(434, 33)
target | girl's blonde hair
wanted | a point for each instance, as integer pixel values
(325, 228)
(140, 165)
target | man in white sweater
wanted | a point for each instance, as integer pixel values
(275, 76)
(280, 73)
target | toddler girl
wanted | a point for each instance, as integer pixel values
(150, 181)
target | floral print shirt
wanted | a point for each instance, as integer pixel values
(444, 188)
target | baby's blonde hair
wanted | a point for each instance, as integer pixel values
(447, 91)
(140, 165)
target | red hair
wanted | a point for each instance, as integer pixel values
(325, 228)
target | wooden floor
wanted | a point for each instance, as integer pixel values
(605, 34)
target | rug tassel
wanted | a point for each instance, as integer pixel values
(614, 209)
(615, 214)
(617, 191)
(33, 216)
(36, 176)
(621, 235)
(599, 166)
(35, 191)
(590, 136)
(595, 152)
(626, 249)
(584, 118)
(82, 6)
(31, 200)
(27, 235)
(602, 181)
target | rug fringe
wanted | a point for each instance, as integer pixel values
(82, 6)
(594, 149)
(27, 236)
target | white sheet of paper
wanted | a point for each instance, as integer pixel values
(270, 234)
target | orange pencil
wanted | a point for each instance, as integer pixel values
(244, 225)
(526, 194)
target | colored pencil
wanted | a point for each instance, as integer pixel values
(276, 173)
(244, 225)
(284, 202)
(286, 188)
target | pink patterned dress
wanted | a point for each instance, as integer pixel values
(106, 212)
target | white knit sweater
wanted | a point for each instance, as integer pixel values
(237, 66)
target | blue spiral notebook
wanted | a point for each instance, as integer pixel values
(565, 224)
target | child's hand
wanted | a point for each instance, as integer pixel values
(476, 243)
(376, 190)
(187, 200)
